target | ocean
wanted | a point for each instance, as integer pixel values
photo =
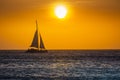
(60, 65)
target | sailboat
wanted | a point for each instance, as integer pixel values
(37, 45)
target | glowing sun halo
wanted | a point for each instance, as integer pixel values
(60, 11)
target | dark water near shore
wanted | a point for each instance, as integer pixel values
(60, 65)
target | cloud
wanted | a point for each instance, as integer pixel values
(18, 5)
(99, 4)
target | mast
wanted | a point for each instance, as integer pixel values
(37, 35)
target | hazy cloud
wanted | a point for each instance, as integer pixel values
(16, 5)
(99, 4)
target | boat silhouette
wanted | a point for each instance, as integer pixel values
(37, 45)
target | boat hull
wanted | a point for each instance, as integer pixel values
(36, 51)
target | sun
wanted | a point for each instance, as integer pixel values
(60, 11)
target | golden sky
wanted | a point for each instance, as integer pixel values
(89, 24)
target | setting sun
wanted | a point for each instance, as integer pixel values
(60, 11)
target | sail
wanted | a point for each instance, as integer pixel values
(41, 43)
(35, 40)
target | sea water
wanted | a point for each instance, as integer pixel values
(60, 65)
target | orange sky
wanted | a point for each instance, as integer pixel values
(90, 24)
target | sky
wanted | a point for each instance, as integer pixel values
(89, 24)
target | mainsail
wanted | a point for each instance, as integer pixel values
(35, 40)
